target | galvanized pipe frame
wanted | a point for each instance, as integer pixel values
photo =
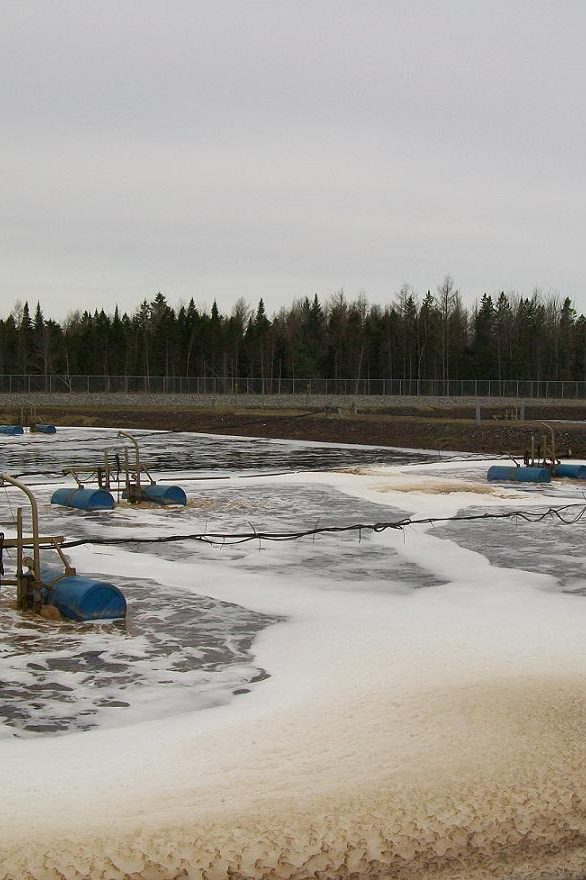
(102, 475)
(34, 541)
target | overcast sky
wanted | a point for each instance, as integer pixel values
(276, 148)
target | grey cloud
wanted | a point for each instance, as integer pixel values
(273, 149)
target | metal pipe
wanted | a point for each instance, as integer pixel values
(552, 435)
(6, 478)
(107, 469)
(19, 584)
(137, 448)
(19, 542)
(127, 474)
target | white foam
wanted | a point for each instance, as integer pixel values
(436, 733)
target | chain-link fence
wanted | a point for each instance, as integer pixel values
(212, 385)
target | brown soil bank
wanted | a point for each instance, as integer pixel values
(445, 426)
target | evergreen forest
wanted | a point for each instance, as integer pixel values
(432, 336)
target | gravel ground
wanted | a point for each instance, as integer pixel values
(408, 422)
(274, 401)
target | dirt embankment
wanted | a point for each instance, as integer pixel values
(444, 425)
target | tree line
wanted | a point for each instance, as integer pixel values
(430, 336)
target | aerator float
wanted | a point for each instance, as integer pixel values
(131, 482)
(28, 418)
(37, 586)
(541, 464)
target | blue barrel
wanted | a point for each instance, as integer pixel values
(519, 474)
(11, 429)
(575, 471)
(44, 429)
(164, 494)
(82, 598)
(84, 499)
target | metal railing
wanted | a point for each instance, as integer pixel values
(218, 385)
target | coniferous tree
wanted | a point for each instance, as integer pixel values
(506, 337)
(429, 337)
(566, 341)
(26, 341)
(484, 338)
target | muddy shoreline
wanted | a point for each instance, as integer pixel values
(444, 425)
